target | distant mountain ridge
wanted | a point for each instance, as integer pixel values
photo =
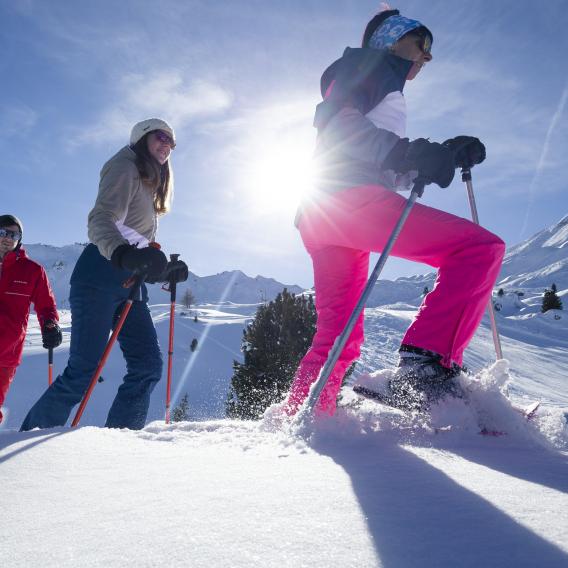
(540, 260)
(234, 286)
(534, 264)
(229, 286)
(58, 263)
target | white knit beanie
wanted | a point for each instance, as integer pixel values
(148, 125)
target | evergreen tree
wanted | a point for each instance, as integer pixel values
(500, 292)
(188, 299)
(273, 345)
(181, 411)
(550, 300)
(425, 291)
(193, 345)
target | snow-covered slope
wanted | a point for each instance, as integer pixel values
(370, 487)
(536, 343)
(357, 490)
(529, 267)
(540, 260)
(59, 263)
(204, 374)
(408, 289)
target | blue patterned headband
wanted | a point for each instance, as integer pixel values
(391, 30)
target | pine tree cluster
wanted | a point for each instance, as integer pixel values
(181, 411)
(550, 300)
(188, 299)
(273, 345)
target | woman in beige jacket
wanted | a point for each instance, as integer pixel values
(135, 188)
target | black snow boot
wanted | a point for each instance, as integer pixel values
(421, 380)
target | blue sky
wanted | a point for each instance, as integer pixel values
(239, 81)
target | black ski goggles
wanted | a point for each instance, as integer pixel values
(8, 234)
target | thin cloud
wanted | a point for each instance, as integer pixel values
(164, 94)
(167, 93)
(554, 121)
(17, 120)
(481, 99)
(450, 86)
(270, 115)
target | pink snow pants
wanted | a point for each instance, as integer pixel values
(340, 231)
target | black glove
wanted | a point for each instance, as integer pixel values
(176, 271)
(148, 260)
(468, 151)
(433, 161)
(51, 334)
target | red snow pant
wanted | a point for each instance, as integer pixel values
(339, 232)
(6, 377)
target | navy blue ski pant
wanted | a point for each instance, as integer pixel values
(94, 312)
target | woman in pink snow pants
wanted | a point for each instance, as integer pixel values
(364, 160)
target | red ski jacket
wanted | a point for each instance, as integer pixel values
(22, 282)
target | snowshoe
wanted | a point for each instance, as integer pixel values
(419, 381)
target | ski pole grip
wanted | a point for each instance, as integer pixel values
(134, 283)
(135, 280)
(466, 174)
(419, 185)
(173, 283)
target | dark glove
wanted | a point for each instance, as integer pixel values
(51, 334)
(176, 271)
(468, 151)
(148, 260)
(433, 161)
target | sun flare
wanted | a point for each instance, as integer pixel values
(281, 175)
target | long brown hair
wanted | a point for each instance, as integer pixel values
(158, 177)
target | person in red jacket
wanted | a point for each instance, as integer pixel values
(22, 282)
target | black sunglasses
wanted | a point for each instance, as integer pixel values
(14, 235)
(163, 137)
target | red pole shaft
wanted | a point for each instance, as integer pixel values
(170, 362)
(173, 289)
(102, 362)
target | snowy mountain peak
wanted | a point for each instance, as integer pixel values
(227, 286)
(559, 234)
(540, 260)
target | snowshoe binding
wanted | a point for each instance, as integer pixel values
(419, 381)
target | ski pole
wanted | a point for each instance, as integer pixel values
(341, 339)
(466, 178)
(172, 290)
(138, 280)
(50, 366)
